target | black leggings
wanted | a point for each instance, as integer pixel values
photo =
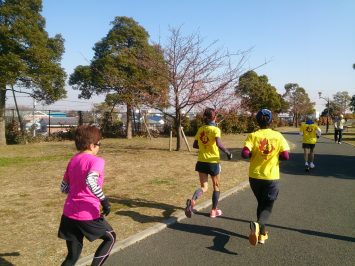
(338, 135)
(266, 192)
(74, 251)
(101, 254)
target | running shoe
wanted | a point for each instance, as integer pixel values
(188, 208)
(262, 238)
(254, 233)
(311, 165)
(215, 213)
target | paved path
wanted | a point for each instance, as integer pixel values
(313, 221)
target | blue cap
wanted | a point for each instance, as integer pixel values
(264, 112)
(309, 120)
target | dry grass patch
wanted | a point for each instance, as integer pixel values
(144, 181)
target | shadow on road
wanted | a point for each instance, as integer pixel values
(327, 165)
(303, 231)
(143, 203)
(221, 236)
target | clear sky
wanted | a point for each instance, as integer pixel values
(309, 42)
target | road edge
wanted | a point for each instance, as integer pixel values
(180, 215)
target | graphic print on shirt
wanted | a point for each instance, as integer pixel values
(204, 138)
(309, 129)
(266, 147)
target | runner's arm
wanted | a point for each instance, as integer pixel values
(220, 145)
(64, 187)
(246, 153)
(284, 156)
(222, 148)
(91, 182)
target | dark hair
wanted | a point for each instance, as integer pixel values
(264, 118)
(86, 135)
(209, 115)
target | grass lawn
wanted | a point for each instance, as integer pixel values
(144, 181)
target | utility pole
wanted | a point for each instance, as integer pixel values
(34, 124)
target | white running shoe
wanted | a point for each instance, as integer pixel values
(311, 165)
(306, 164)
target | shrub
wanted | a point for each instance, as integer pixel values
(13, 133)
(113, 129)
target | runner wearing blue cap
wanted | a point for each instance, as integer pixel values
(265, 147)
(310, 132)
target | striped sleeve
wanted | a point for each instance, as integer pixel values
(64, 187)
(91, 182)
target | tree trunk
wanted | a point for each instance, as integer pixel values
(178, 129)
(18, 113)
(129, 122)
(2, 114)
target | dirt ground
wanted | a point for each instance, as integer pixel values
(145, 183)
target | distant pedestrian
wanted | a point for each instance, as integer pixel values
(83, 181)
(265, 147)
(207, 141)
(310, 132)
(338, 129)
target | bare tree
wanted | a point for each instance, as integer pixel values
(197, 73)
(342, 100)
(299, 102)
(223, 100)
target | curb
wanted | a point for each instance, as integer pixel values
(160, 226)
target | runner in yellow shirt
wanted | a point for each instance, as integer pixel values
(208, 141)
(310, 132)
(265, 147)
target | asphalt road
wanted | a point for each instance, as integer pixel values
(313, 221)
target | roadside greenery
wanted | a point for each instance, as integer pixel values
(29, 58)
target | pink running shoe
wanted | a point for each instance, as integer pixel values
(215, 213)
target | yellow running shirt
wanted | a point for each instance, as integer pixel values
(207, 148)
(309, 133)
(265, 146)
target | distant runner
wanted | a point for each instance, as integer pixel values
(338, 129)
(310, 132)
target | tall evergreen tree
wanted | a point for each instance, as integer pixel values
(29, 59)
(124, 64)
(256, 93)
